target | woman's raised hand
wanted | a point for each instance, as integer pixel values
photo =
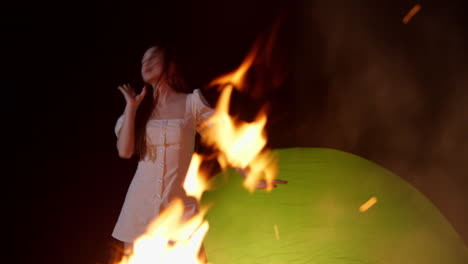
(131, 97)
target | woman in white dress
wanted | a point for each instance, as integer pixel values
(159, 125)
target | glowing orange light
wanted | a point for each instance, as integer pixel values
(169, 239)
(240, 144)
(236, 78)
(194, 183)
(411, 13)
(368, 204)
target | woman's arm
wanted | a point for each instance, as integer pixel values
(126, 134)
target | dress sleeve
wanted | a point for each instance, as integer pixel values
(201, 110)
(118, 125)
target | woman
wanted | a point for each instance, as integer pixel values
(160, 128)
(159, 125)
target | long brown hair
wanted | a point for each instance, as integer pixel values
(172, 75)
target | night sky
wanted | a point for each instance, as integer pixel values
(346, 76)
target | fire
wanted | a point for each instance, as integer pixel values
(236, 78)
(240, 144)
(368, 204)
(195, 184)
(170, 239)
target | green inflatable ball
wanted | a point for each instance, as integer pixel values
(316, 217)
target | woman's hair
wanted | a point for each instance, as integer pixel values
(172, 75)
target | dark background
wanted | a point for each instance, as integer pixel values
(354, 78)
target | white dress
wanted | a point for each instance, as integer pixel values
(160, 176)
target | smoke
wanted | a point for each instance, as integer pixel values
(394, 93)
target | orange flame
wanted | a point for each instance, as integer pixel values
(194, 183)
(169, 239)
(236, 78)
(240, 143)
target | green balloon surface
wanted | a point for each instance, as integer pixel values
(315, 218)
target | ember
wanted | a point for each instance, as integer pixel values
(411, 13)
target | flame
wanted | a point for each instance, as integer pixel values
(368, 204)
(169, 239)
(194, 183)
(240, 144)
(236, 78)
(411, 13)
(264, 166)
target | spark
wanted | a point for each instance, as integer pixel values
(275, 227)
(411, 13)
(368, 204)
